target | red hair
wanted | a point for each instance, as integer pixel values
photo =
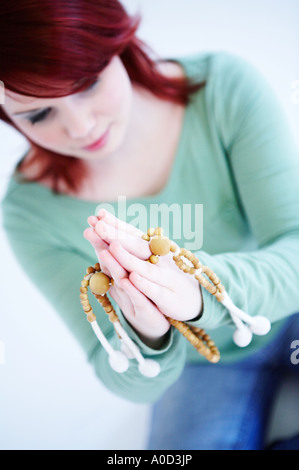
(54, 48)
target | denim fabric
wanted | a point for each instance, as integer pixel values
(224, 406)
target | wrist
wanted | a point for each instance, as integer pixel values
(155, 343)
(200, 314)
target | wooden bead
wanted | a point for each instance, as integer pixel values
(84, 283)
(97, 267)
(91, 317)
(179, 263)
(83, 290)
(197, 264)
(104, 301)
(159, 231)
(90, 270)
(113, 317)
(109, 309)
(219, 296)
(146, 237)
(160, 246)
(151, 232)
(99, 283)
(153, 259)
(173, 248)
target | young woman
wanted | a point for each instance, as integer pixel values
(104, 120)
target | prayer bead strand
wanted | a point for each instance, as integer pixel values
(99, 284)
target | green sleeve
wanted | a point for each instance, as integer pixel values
(57, 271)
(264, 167)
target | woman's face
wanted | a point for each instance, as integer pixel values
(88, 125)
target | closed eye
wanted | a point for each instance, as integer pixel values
(40, 116)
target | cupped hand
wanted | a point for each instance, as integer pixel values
(142, 314)
(175, 293)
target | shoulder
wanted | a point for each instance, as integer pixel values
(235, 86)
(223, 72)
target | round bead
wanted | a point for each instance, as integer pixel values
(99, 283)
(90, 270)
(149, 368)
(151, 232)
(160, 246)
(153, 259)
(118, 361)
(159, 231)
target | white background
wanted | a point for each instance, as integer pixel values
(49, 397)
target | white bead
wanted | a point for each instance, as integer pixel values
(260, 325)
(149, 368)
(242, 337)
(118, 362)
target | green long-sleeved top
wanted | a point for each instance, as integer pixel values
(238, 162)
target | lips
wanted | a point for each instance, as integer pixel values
(101, 142)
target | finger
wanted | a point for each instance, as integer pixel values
(119, 224)
(131, 263)
(92, 220)
(116, 271)
(153, 291)
(122, 299)
(137, 298)
(142, 304)
(135, 246)
(97, 243)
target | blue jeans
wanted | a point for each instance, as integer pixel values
(224, 407)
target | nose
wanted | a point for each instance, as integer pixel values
(79, 120)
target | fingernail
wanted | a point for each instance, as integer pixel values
(101, 213)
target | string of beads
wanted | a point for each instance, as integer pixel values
(99, 284)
